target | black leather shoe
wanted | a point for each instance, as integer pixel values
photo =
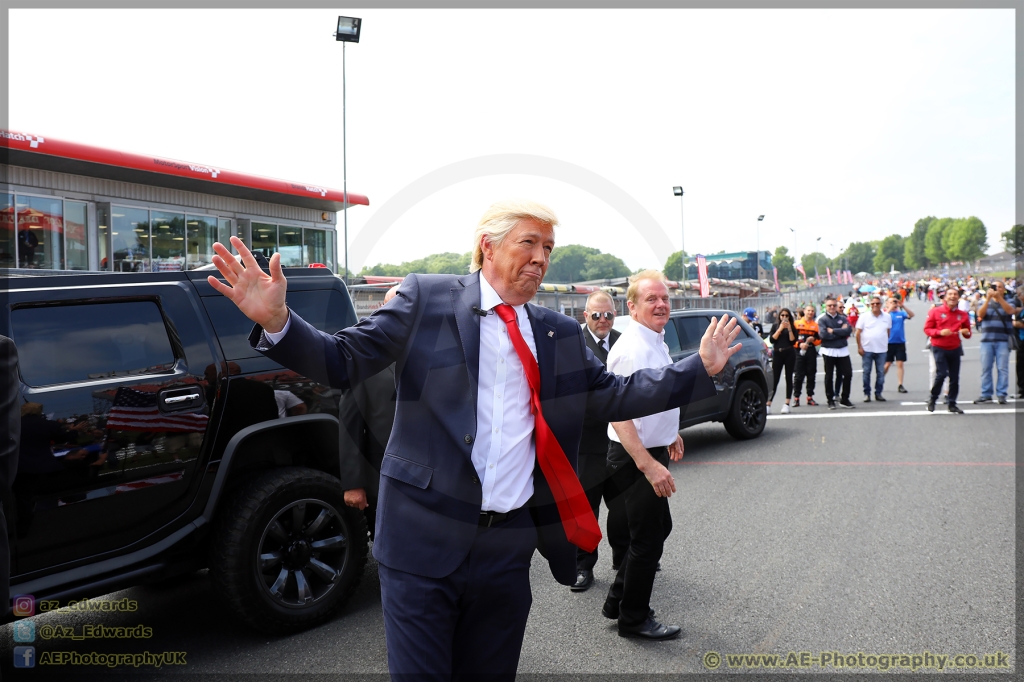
(651, 629)
(901, 389)
(931, 404)
(584, 579)
(611, 611)
(954, 409)
(879, 399)
(867, 399)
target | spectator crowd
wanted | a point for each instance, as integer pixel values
(874, 317)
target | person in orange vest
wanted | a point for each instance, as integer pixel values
(807, 343)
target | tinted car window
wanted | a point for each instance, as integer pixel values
(68, 343)
(671, 338)
(325, 309)
(691, 329)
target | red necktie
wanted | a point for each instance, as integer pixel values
(578, 519)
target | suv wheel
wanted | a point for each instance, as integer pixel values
(749, 414)
(286, 552)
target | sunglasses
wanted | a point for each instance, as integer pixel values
(598, 316)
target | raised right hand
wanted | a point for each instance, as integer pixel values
(259, 296)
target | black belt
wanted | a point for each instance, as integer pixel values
(489, 518)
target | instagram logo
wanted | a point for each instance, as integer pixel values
(24, 605)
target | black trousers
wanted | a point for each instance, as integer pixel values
(947, 364)
(468, 625)
(844, 368)
(650, 523)
(806, 368)
(1020, 374)
(597, 483)
(783, 360)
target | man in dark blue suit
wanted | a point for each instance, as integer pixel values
(463, 502)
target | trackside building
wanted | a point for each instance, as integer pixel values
(69, 206)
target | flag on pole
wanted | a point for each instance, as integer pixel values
(775, 274)
(828, 271)
(702, 276)
(800, 269)
(817, 277)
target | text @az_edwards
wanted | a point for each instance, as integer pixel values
(94, 631)
(839, 661)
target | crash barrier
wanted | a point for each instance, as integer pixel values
(369, 298)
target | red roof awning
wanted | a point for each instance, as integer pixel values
(34, 151)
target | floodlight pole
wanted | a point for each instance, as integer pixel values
(344, 162)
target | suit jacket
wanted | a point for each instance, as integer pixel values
(595, 432)
(430, 495)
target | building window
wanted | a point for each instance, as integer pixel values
(315, 246)
(264, 239)
(224, 233)
(76, 235)
(167, 239)
(202, 233)
(40, 232)
(103, 235)
(290, 246)
(8, 235)
(129, 237)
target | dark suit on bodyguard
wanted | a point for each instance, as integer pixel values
(429, 508)
(593, 470)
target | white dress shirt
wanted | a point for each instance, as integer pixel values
(640, 347)
(504, 451)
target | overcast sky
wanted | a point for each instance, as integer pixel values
(839, 124)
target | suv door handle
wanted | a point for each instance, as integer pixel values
(181, 398)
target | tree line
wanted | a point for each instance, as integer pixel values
(932, 242)
(569, 263)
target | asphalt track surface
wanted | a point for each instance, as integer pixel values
(881, 530)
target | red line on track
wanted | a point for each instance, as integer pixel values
(859, 464)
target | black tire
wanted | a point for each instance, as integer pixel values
(286, 553)
(749, 413)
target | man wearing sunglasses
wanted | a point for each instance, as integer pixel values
(593, 455)
(834, 329)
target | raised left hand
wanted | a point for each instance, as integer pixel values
(716, 345)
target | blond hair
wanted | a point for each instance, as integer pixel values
(500, 219)
(633, 292)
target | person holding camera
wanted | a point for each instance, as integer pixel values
(995, 320)
(897, 351)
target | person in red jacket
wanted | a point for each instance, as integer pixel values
(945, 325)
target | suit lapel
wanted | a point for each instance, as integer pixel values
(464, 298)
(545, 340)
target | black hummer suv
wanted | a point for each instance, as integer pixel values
(741, 386)
(156, 442)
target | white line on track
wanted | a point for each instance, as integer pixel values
(1009, 400)
(939, 409)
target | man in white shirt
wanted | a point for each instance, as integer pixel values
(639, 452)
(872, 344)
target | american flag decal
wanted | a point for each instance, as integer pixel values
(137, 411)
(702, 276)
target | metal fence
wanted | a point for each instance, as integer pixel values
(368, 299)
